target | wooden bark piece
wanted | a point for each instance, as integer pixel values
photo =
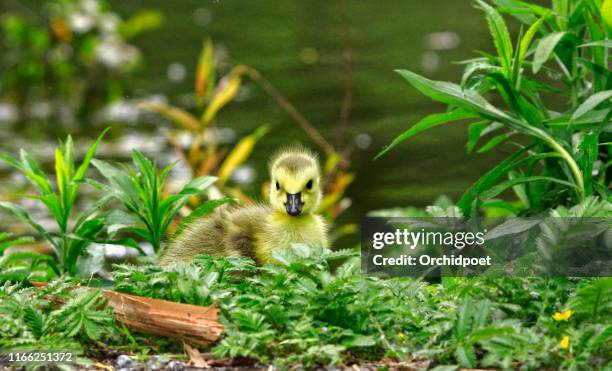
(190, 323)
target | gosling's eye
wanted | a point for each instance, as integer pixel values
(309, 185)
(277, 186)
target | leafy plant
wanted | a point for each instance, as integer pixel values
(141, 191)
(71, 239)
(593, 299)
(21, 265)
(297, 311)
(570, 155)
(53, 318)
(198, 283)
(74, 55)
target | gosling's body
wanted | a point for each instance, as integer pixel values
(255, 231)
(250, 231)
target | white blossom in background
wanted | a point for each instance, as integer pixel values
(123, 111)
(16, 179)
(220, 135)
(109, 23)
(80, 22)
(244, 174)
(8, 113)
(430, 61)
(114, 53)
(442, 40)
(363, 141)
(90, 6)
(140, 142)
(176, 72)
(40, 110)
(156, 98)
(202, 17)
(184, 139)
(180, 174)
(66, 114)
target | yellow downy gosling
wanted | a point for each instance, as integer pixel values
(256, 230)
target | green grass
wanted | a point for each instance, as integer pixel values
(299, 311)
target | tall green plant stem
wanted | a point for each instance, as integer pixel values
(566, 156)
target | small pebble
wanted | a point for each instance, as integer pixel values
(175, 366)
(124, 361)
(154, 363)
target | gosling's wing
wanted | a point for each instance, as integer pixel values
(245, 226)
(202, 236)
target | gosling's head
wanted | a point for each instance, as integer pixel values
(295, 182)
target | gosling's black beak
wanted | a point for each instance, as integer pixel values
(294, 204)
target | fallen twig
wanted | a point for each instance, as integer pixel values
(192, 324)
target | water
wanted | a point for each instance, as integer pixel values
(298, 46)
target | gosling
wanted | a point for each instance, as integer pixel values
(255, 231)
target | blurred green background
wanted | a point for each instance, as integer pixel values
(298, 46)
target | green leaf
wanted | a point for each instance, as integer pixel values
(4, 244)
(493, 142)
(488, 180)
(496, 190)
(474, 132)
(359, 341)
(481, 314)
(117, 220)
(463, 324)
(585, 121)
(146, 168)
(477, 66)
(465, 356)
(591, 102)
(35, 321)
(528, 37)
(33, 175)
(512, 226)
(93, 210)
(427, 123)
(61, 173)
(45, 260)
(19, 256)
(23, 215)
(606, 13)
(501, 36)
(198, 185)
(607, 43)
(91, 151)
(68, 149)
(91, 329)
(490, 332)
(123, 189)
(545, 48)
(454, 95)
